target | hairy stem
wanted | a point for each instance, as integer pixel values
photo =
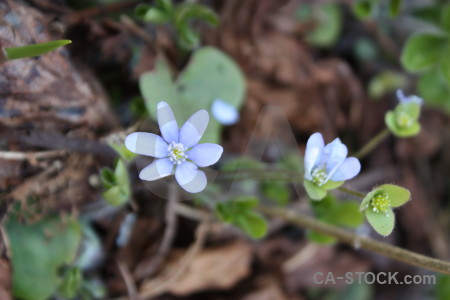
(372, 144)
(352, 239)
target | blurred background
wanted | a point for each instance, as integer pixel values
(77, 223)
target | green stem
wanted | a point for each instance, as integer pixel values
(372, 144)
(356, 241)
(351, 192)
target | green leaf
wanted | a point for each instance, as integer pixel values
(276, 191)
(363, 8)
(422, 51)
(210, 74)
(224, 212)
(328, 19)
(320, 238)
(382, 223)
(397, 194)
(433, 88)
(38, 251)
(347, 214)
(116, 196)
(187, 11)
(430, 14)
(313, 191)
(445, 18)
(188, 38)
(444, 64)
(73, 278)
(412, 109)
(165, 5)
(107, 178)
(244, 203)
(155, 15)
(367, 198)
(395, 7)
(122, 150)
(252, 223)
(386, 82)
(442, 287)
(34, 50)
(391, 122)
(331, 185)
(121, 175)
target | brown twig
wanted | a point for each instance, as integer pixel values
(129, 281)
(352, 239)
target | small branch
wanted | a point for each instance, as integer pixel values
(372, 144)
(352, 239)
(169, 232)
(129, 281)
(13, 155)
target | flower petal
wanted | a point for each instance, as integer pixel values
(167, 123)
(224, 112)
(347, 170)
(145, 143)
(313, 153)
(334, 154)
(204, 155)
(190, 178)
(193, 129)
(159, 168)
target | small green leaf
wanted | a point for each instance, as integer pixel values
(313, 191)
(442, 287)
(328, 19)
(165, 5)
(397, 194)
(432, 87)
(244, 203)
(412, 109)
(155, 15)
(277, 191)
(188, 38)
(363, 8)
(383, 223)
(224, 212)
(121, 174)
(34, 50)
(445, 18)
(347, 214)
(430, 14)
(395, 7)
(422, 51)
(386, 82)
(391, 122)
(116, 196)
(73, 278)
(122, 150)
(364, 204)
(320, 238)
(444, 63)
(107, 178)
(187, 11)
(252, 223)
(38, 252)
(331, 185)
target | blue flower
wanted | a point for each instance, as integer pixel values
(328, 163)
(177, 151)
(408, 99)
(225, 113)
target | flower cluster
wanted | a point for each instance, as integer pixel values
(177, 151)
(403, 120)
(377, 206)
(327, 166)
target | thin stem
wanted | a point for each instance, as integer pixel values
(372, 144)
(356, 241)
(351, 192)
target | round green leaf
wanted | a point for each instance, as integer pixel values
(328, 19)
(422, 51)
(347, 214)
(433, 88)
(331, 185)
(397, 194)
(391, 123)
(367, 199)
(313, 191)
(363, 8)
(253, 224)
(382, 223)
(38, 251)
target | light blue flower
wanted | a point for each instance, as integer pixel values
(328, 163)
(408, 99)
(177, 151)
(224, 112)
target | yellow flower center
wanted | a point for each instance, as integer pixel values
(177, 153)
(380, 203)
